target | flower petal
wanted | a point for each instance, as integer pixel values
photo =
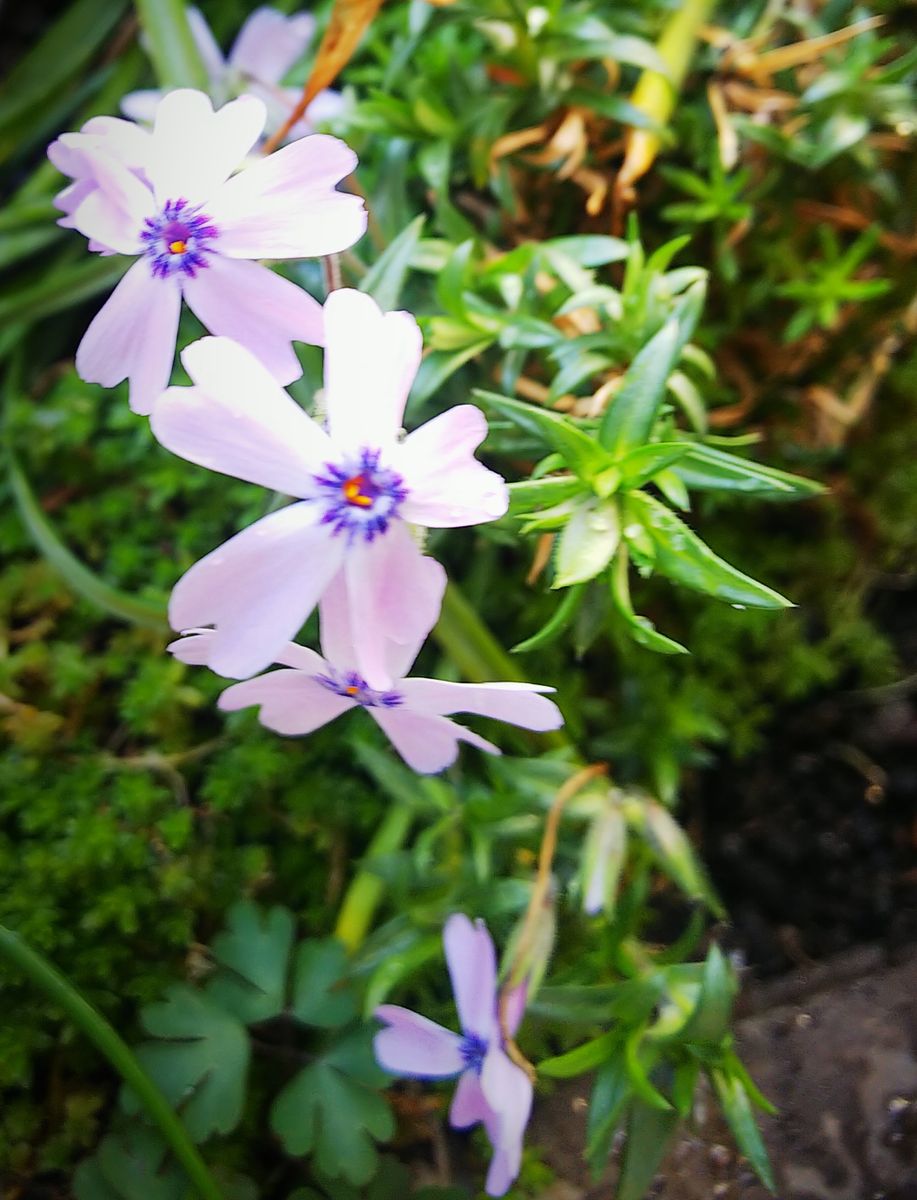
(195, 645)
(371, 359)
(468, 1104)
(114, 211)
(195, 149)
(237, 420)
(207, 47)
(508, 1091)
(517, 703)
(257, 589)
(286, 205)
(448, 486)
(269, 43)
(394, 594)
(413, 1045)
(133, 337)
(142, 104)
(427, 744)
(257, 308)
(472, 964)
(291, 702)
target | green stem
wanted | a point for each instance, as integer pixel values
(118, 1053)
(175, 56)
(366, 889)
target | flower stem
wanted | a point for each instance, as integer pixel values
(656, 94)
(109, 1042)
(175, 56)
(366, 889)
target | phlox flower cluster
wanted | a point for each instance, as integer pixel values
(184, 200)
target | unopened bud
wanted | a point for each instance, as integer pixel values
(604, 853)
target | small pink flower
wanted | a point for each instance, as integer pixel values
(491, 1087)
(358, 484)
(412, 713)
(169, 200)
(268, 45)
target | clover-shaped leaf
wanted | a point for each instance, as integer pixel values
(130, 1164)
(322, 995)
(254, 952)
(201, 1061)
(333, 1111)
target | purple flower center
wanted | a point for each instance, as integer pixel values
(360, 497)
(178, 239)
(354, 687)
(473, 1050)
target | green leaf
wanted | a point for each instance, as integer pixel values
(711, 470)
(200, 1060)
(63, 51)
(559, 621)
(436, 368)
(637, 1071)
(648, 1132)
(639, 466)
(254, 951)
(57, 290)
(587, 543)
(581, 453)
(74, 573)
(129, 1164)
(682, 556)
(590, 250)
(533, 493)
(610, 1094)
(396, 967)
(174, 52)
(629, 419)
(322, 994)
(738, 1112)
(709, 1022)
(325, 1113)
(672, 849)
(453, 279)
(385, 278)
(641, 629)
(583, 1058)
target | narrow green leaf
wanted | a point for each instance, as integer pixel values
(75, 574)
(649, 1130)
(738, 1112)
(584, 1058)
(62, 289)
(436, 368)
(637, 1072)
(453, 278)
(673, 850)
(712, 1014)
(641, 629)
(609, 1096)
(682, 556)
(639, 466)
(385, 278)
(711, 470)
(175, 55)
(559, 621)
(63, 51)
(631, 414)
(533, 493)
(581, 453)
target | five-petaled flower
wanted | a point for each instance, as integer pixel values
(268, 45)
(312, 690)
(169, 197)
(358, 485)
(491, 1087)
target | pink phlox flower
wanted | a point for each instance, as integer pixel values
(358, 484)
(167, 198)
(268, 45)
(491, 1088)
(413, 713)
